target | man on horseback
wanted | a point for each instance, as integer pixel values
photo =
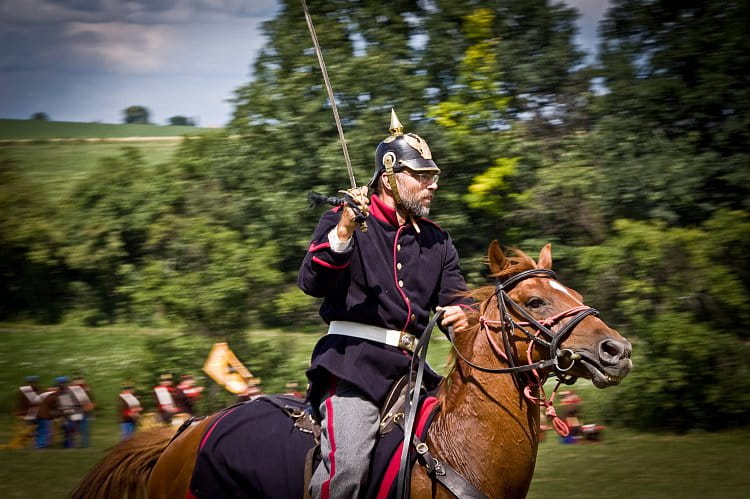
(379, 287)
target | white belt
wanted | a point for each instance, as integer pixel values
(391, 337)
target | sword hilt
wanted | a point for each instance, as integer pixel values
(317, 199)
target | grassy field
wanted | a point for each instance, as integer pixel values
(57, 167)
(623, 465)
(40, 130)
(109, 355)
(645, 466)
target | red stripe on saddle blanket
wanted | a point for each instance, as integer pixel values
(423, 417)
(214, 424)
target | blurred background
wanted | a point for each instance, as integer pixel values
(132, 239)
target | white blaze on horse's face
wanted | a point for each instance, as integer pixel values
(556, 285)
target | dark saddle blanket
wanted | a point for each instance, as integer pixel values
(258, 449)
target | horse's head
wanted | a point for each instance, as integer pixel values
(540, 320)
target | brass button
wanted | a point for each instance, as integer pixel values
(413, 317)
(400, 284)
(398, 247)
(398, 265)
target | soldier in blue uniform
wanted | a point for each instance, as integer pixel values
(378, 289)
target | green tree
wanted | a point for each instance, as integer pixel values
(40, 116)
(181, 121)
(485, 127)
(107, 227)
(675, 111)
(472, 123)
(201, 274)
(33, 282)
(682, 292)
(543, 76)
(135, 114)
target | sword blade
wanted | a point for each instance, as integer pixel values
(329, 89)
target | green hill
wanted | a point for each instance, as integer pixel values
(41, 130)
(57, 154)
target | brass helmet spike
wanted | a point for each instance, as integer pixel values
(396, 127)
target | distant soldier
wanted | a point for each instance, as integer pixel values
(71, 409)
(187, 394)
(26, 407)
(129, 409)
(164, 393)
(47, 412)
(571, 411)
(82, 392)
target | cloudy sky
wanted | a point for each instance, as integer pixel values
(87, 60)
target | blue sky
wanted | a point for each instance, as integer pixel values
(87, 60)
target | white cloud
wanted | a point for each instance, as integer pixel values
(91, 71)
(121, 47)
(134, 11)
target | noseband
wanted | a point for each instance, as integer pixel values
(544, 335)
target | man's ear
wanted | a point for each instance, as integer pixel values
(385, 183)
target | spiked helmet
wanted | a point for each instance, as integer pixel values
(400, 151)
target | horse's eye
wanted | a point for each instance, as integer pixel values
(535, 302)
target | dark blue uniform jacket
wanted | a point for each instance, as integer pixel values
(391, 277)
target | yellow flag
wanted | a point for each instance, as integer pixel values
(226, 369)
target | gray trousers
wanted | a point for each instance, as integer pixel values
(349, 428)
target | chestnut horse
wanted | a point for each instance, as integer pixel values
(528, 326)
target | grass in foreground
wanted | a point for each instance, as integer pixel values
(624, 465)
(627, 464)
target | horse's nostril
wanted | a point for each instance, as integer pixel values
(611, 351)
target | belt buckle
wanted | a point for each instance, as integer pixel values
(407, 341)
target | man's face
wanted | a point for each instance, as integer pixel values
(416, 191)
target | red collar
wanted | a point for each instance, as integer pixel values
(382, 211)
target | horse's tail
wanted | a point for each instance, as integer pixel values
(124, 471)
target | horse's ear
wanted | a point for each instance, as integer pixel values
(545, 257)
(496, 259)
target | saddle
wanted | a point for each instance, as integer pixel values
(391, 417)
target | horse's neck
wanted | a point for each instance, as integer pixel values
(487, 431)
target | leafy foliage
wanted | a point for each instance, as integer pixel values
(679, 292)
(30, 262)
(638, 177)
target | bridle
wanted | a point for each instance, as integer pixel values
(543, 335)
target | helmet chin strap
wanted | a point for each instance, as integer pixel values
(388, 161)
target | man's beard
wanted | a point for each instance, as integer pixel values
(412, 204)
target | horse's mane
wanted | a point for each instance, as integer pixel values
(516, 262)
(124, 472)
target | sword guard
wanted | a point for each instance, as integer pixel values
(318, 199)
